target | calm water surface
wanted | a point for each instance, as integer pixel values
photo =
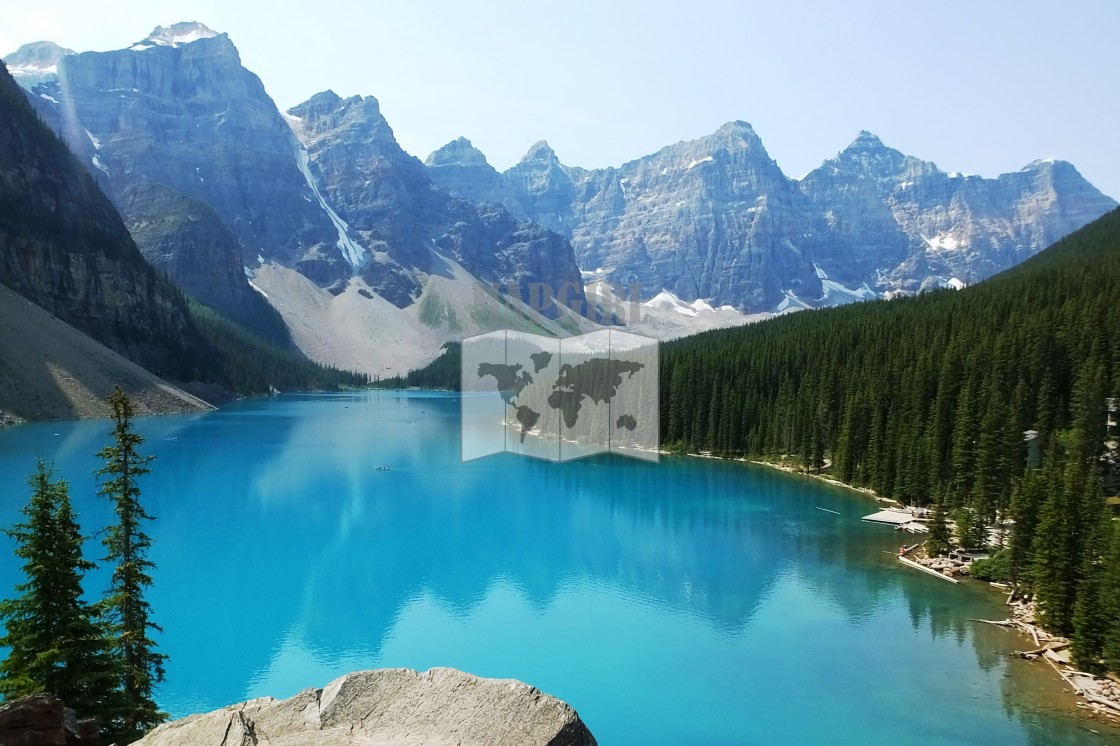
(691, 602)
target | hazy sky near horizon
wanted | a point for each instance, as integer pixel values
(980, 86)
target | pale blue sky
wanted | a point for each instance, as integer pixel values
(979, 87)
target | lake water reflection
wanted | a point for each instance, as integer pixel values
(692, 601)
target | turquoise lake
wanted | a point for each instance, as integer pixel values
(688, 602)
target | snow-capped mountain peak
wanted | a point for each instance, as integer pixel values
(36, 62)
(177, 34)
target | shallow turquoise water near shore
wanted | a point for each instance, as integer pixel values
(694, 601)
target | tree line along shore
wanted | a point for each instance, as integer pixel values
(996, 407)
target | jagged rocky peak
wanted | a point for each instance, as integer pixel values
(321, 105)
(867, 155)
(230, 148)
(540, 151)
(1049, 174)
(36, 62)
(1055, 169)
(867, 145)
(866, 141)
(716, 218)
(176, 34)
(462, 169)
(737, 134)
(734, 150)
(458, 152)
(734, 145)
(326, 111)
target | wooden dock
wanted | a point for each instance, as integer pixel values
(891, 516)
(923, 568)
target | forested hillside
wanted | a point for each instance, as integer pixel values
(918, 397)
(249, 364)
(442, 373)
(928, 400)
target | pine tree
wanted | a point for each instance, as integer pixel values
(1027, 499)
(1110, 596)
(129, 615)
(1058, 548)
(1091, 618)
(939, 541)
(55, 644)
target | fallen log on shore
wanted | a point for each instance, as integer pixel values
(1067, 679)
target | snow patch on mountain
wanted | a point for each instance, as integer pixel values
(35, 63)
(665, 316)
(666, 301)
(700, 305)
(835, 294)
(945, 242)
(353, 253)
(176, 35)
(790, 302)
(29, 69)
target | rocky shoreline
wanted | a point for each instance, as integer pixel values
(1100, 695)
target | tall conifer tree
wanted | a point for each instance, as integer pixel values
(127, 545)
(55, 644)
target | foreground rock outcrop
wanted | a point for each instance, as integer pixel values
(43, 720)
(389, 706)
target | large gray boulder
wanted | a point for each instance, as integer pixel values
(395, 706)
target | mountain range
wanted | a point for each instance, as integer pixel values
(716, 219)
(315, 229)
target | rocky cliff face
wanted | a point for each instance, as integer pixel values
(64, 247)
(716, 218)
(390, 706)
(462, 168)
(917, 226)
(186, 239)
(178, 109)
(402, 221)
